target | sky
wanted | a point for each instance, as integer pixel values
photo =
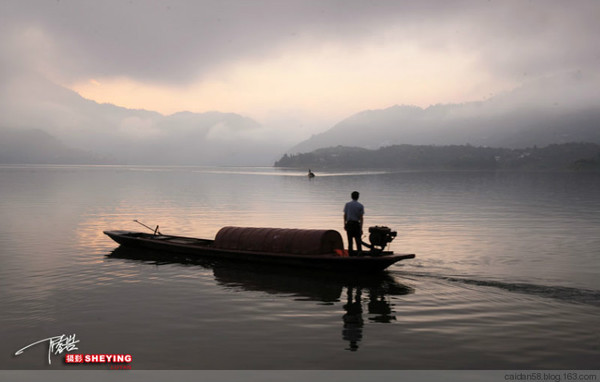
(290, 64)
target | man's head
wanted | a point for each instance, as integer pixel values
(355, 195)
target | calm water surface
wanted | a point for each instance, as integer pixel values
(506, 274)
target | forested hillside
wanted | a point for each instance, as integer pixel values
(569, 156)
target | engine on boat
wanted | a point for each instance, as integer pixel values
(380, 236)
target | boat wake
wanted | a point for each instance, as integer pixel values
(562, 293)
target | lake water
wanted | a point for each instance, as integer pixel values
(506, 274)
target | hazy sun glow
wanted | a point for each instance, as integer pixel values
(332, 80)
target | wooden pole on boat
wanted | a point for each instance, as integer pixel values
(156, 231)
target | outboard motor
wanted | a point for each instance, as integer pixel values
(380, 236)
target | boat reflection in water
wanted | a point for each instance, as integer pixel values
(372, 291)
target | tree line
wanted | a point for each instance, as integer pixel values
(568, 156)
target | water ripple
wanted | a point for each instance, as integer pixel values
(567, 294)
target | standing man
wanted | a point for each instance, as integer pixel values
(353, 221)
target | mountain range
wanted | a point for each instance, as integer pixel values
(548, 111)
(41, 122)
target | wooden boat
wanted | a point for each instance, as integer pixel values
(307, 283)
(295, 247)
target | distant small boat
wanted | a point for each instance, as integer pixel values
(296, 247)
(311, 174)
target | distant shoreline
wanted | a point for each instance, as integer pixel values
(555, 157)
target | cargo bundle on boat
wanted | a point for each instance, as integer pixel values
(296, 247)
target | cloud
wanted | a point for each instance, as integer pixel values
(323, 59)
(177, 41)
(139, 128)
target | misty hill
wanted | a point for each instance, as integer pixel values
(556, 157)
(36, 146)
(31, 104)
(551, 110)
(190, 138)
(560, 109)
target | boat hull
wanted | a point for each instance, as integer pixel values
(204, 248)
